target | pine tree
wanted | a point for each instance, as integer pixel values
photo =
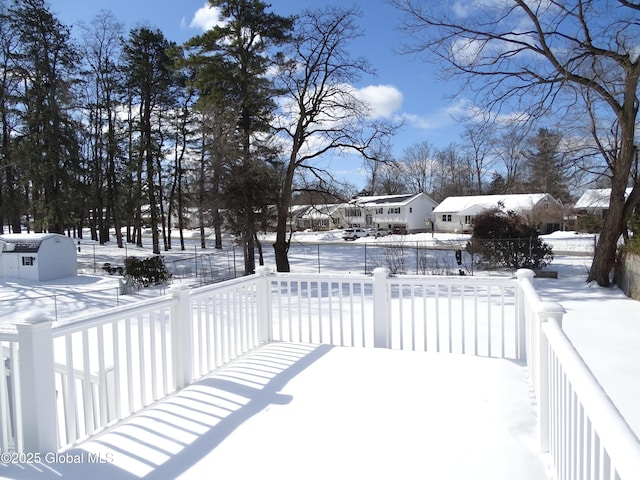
(149, 77)
(234, 58)
(545, 165)
(47, 142)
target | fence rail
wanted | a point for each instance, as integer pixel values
(106, 367)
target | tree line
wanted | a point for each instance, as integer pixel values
(131, 132)
(485, 163)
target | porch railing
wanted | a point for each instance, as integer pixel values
(65, 381)
(578, 424)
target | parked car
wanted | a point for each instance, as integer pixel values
(378, 232)
(353, 233)
(399, 230)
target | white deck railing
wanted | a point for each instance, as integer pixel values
(578, 424)
(65, 381)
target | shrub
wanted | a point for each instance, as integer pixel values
(502, 240)
(113, 269)
(148, 271)
(589, 223)
(392, 257)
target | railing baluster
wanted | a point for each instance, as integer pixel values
(462, 320)
(87, 391)
(152, 356)
(449, 318)
(437, 298)
(72, 411)
(102, 376)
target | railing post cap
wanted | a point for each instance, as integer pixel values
(178, 287)
(35, 317)
(524, 273)
(263, 270)
(381, 271)
(550, 307)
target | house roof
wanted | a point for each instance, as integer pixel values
(320, 211)
(476, 203)
(24, 242)
(401, 199)
(596, 198)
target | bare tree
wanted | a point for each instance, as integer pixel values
(321, 112)
(508, 150)
(478, 144)
(455, 175)
(102, 49)
(391, 179)
(419, 167)
(532, 56)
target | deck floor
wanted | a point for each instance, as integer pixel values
(299, 411)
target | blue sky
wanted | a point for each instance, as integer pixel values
(404, 88)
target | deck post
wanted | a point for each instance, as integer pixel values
(381, 314)
(182, 336)
(37, 383)
(523, 275)
(263, 301)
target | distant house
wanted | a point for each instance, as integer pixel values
(37, 256)
(595, 201)
(457, 214)
(317, 217)
(408, 213)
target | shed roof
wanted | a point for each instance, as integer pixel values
(25, 242)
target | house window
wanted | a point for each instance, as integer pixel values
(379, 211)
(28, 261)
(393, 210)
(410, 209)
(446, 217)
(468, 219)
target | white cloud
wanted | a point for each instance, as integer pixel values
(441, 118)
(205, 18)
(384, 100)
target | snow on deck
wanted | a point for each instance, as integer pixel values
(292, 411)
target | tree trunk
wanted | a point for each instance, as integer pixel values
(618, 214)
(605, 255)
(281, 245)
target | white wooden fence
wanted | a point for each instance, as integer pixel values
(65, 381)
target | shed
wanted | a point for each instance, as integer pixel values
(37, 256)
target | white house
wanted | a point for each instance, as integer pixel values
(408, 213)
(37, 256)
(456, 214)
(596, 201)
(317, 217)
